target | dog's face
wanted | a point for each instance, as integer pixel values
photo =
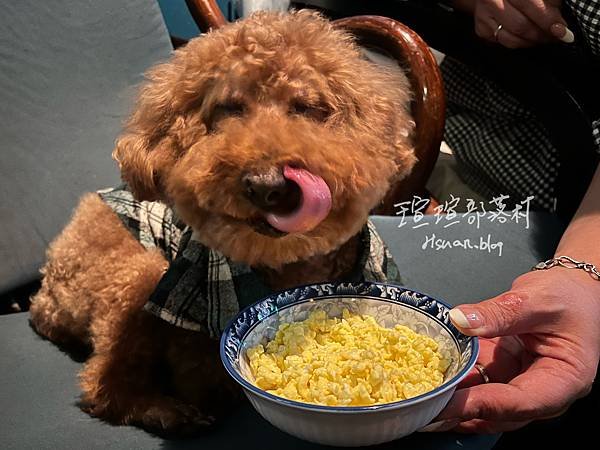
(250, 129)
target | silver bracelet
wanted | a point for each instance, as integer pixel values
(569, 263)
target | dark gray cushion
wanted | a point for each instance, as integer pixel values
(67, 75)
(467, 276)
(39, 388)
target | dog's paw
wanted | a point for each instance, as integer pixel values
(171, 418)
(164, 416)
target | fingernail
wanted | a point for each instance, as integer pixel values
(462, 320)
(563, 33)
(442, 425)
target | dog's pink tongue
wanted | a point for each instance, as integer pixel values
(314, 205)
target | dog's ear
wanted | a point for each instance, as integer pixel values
(144, 151)
(397, 123)
(401, 128)
(386, 107)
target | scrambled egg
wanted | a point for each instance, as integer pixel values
(350, 361)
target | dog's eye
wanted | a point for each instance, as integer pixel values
(318, 112)
(229, 109)
(225, 110)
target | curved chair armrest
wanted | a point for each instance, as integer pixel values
(206, 14)
(429, 104)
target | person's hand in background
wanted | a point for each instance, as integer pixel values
(540, 350)
(517, 23)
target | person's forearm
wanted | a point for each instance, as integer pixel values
(581, 240)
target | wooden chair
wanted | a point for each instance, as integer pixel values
(398, 41)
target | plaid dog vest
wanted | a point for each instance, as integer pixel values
(202, 289)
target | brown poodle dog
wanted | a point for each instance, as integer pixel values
(234, 134)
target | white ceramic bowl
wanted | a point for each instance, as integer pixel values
(348, 426)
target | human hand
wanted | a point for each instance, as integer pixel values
(518, 23)
(540, 349)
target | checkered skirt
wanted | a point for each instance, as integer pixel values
(500, 146)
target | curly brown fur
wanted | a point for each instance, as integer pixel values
(309, 99)
(96, 281)
(269, 91)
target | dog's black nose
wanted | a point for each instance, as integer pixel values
(271, 191)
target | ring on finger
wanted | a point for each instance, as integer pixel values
(498, 28)
(483, 372)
